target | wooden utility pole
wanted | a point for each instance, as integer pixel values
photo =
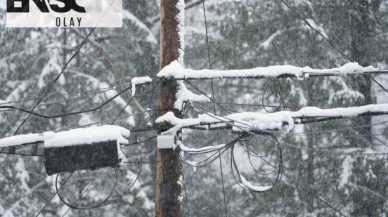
(168, 165)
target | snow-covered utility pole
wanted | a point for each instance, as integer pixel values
(168, 165)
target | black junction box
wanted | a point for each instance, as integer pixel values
(81, 157)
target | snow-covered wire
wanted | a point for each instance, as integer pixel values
(212, 157)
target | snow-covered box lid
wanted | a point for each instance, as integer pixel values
(82, 136)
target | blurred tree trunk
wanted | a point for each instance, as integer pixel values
(363, 30)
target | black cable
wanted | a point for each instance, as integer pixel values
(82, 95)
(21, 154)
(279, 168)
(285, 176)
(369, 133)
(122, 110)
(103, 202)
(100, 204)
(246, 104)
(139, 142)
(378, 83)
(329, 41)
(184, 186)
(133, 183)
(206, 161)
(316, 31)
(254, 133)
(203, 93)
(266, 86)
(130, 100)
(106, 201)
(72, 113)
(48, 202)
(214, 106)
(55, 80)
(66, 114)
(250, 161)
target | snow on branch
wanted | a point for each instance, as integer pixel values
(72, 137)
(175, 70)
(282, 121)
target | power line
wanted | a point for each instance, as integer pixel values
(316, 31)
(329, 41)
(49, 201)
(253, 133)
(81, 94)
(55, 80)
(70, 113)
(214, 108)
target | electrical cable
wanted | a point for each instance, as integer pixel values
(184, 187)
(48, 202)
(316, 31)
(214, 106)
(55, 80)
(72, 113)
(82, 95)
(66, 114)
(100, 204)
(286, 176)
(329, 41)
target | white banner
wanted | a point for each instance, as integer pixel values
(64, 13)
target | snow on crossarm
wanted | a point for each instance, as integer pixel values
(175, 70)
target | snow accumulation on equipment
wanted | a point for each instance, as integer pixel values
(175, 70)
(90, 135)
(165, 141)
(139, 80)
(282, 121)
(76, 149)
(84, 148)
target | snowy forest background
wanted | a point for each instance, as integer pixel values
(337, 162)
